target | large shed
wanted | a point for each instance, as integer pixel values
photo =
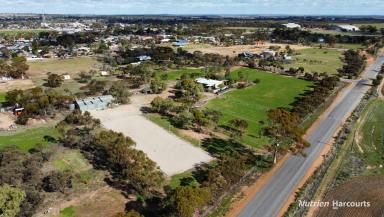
(94, 103)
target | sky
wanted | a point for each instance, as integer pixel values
(189, 7)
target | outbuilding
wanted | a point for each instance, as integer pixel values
(93, 103)
(292, 25)
(210, 84)
(348, 28)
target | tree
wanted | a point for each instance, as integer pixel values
(54, 80)
(284, 127)
(332, 40)
(186, 200)
(157, 86)
(14, 96)
(188, 91)
(84, 77)
(19, 67)
(120, 92)
(184, 120)
(10, 200)
(58, 181)
(161, 105)
(22, 119)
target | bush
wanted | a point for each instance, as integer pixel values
(22, 119)
(58, 181)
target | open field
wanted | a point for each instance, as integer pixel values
(172, 154)
(237, 49)
(252, 103)
(14, 32)
(377, 25)
(317, 60)
(335, 32)
(2, 97)
(39, 69)
(26, 139)
(370, 137)
(369, 188)
(348, 46)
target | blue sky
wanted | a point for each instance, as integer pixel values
(292, 7)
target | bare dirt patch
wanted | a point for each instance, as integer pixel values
(369, 189)
(6, 120)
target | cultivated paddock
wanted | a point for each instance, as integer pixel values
(172, 154)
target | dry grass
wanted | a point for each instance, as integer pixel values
(39, 69)
(237, 49)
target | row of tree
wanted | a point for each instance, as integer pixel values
(112, 151)
(354, 63)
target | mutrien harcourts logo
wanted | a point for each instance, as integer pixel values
(335, 204)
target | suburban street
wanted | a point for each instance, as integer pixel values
(272, 197)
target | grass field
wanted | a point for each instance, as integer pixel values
(371, 135)
(2, 97)
(73, 66)
(26, 139)
(38, 70)
(317, 60)
(252, 103)
(14, 32)
(378, 25)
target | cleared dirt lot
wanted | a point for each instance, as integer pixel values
(172, 154)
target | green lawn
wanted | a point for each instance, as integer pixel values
(317, 60)
(252, 103)
(2, 97)
(177, 179)
(67, 212)
(175, 75)
(371, 135)
(26, 139)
